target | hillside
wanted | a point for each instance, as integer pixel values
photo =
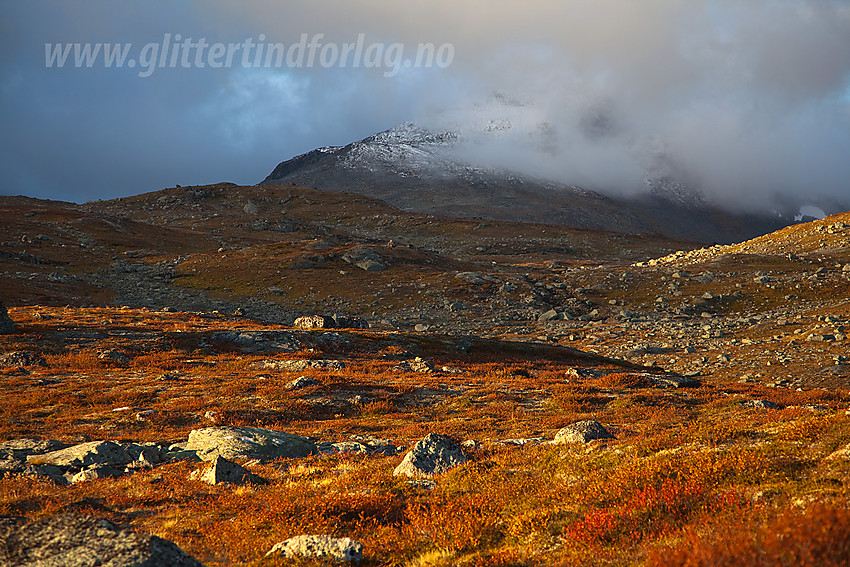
(585, 397)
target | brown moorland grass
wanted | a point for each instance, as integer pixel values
(692, 478)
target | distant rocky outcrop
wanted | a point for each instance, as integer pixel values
(77, 540)
(432, 455)
(7, 326)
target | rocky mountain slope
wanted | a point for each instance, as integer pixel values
(419, 170)
(488, 393)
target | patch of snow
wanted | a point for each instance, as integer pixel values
(810, 211)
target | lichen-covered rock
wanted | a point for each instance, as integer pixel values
(21, 358)
(432, 455)
(340, 549)
(71, 540)
(582, 432)
(309, 322)
(301, 365)
(247, 443)
(84, 455)
(7, 326)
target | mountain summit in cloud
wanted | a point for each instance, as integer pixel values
(455, 172)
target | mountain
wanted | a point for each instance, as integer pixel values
(422, 170)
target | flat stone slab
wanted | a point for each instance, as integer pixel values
(84, 455)
(247, 443)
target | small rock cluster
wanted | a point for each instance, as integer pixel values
(310, 322)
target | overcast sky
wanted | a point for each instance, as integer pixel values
(745, 99)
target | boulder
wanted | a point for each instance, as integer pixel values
(82, 541)
(21, 448)
(84, 455)
(432, 455)
(247, 443)
(222, 471)
(674, 381)
(547, 316)
(94, 472)
(21, 358)
(418, 364)
(582, 432)
(309, 322)
(302, 382)
(345, 322)
(339, 549)
(7, 326)
(115, 356)
(760, 404)
(361, 253)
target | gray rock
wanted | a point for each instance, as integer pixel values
(548, 316)
(7, 326)
(302, 382)
(93, 473)
(114, 356)
(361, 253)
(582, 432)
(21, 358)
(472, 277)
(760, 404)
(222, 471)
(340, 549)
(675, 381)
(371, 266)
(247, 443)
(21, 448)
(309, 322)
(432, 455)
(343, 448)
(49, 472)
(418, 364)
(344, 322)
(148, 454)
(84, 455)
(71, 540)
